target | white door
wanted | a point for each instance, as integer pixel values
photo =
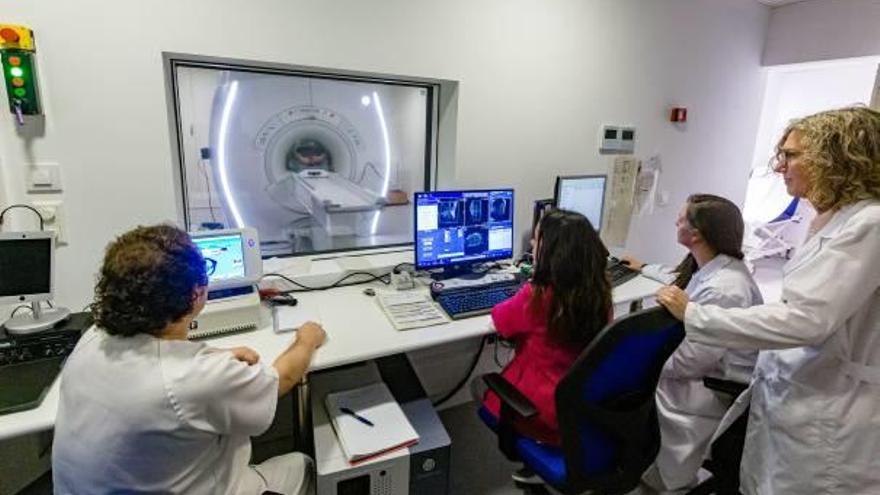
(875, 98)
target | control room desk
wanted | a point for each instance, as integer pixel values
(357, 330)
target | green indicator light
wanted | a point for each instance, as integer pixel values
(16, 72)
(20, 92)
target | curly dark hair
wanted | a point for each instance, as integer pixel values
(147, 281)
(571, 265)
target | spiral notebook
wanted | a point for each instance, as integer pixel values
(374, 424)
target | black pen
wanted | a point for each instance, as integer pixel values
(356, 416)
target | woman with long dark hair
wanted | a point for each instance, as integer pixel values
(554, 316)
(711, 228)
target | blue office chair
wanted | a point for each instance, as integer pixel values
(605, 406)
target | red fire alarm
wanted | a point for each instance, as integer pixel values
(679, 114)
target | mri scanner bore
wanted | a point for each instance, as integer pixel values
(314, 163)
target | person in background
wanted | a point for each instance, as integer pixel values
(814, 421)
(144, 410)
(711, 228)
(553, 318)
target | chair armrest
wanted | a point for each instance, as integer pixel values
(509, 395)
(729, 387)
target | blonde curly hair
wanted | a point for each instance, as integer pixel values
(841, 150)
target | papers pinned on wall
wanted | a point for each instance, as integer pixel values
(620, 207)
(647, 182)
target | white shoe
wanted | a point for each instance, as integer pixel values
(526, 476)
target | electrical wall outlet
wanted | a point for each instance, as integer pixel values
(52, 212)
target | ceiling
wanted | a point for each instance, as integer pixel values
(777, 3)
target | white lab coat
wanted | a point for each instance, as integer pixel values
(814, 425)
(688, 412)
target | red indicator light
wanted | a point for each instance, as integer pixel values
(9, 35)
(14, 61)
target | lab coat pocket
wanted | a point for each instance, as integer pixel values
(802, 443)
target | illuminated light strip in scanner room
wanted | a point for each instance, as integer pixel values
(387, 143)
(231, 93)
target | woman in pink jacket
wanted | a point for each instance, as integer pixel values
(554, 316)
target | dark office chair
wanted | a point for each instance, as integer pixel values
(605, 406)
(726, 451)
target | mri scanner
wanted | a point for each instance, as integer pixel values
(313, 163)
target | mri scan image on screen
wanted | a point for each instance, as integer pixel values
(314, 163)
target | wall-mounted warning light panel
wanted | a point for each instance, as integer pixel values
(18, 57)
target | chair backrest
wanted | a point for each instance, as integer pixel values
(605, 403)
(788, 212)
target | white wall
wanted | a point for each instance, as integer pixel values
(537, 78)
(823, 30)
(794, 92)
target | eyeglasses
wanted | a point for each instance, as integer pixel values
(210, 266)
(784, 157)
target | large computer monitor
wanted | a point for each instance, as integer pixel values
(27, 276)
(456, 229)
(584, 194)
(232, 257)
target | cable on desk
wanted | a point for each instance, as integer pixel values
(28, 307)
(398, 266)
(464, 380)
(19, 308)
(37, 213)
(384, 278)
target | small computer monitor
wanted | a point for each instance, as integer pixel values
(26, 262)
(462, 228)
(232, 257)
(584, 194)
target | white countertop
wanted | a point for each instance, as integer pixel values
(357, 330)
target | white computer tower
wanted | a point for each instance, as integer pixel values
(422, 469)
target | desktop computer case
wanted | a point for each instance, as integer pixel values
(419, 470)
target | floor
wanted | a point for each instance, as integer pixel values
(477, 465)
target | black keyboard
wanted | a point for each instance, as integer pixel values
(463, 303)
(619, 273)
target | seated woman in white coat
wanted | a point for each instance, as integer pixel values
(711, 228)
(814, 422)
(144, 410)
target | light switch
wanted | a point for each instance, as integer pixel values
(41, 178)
(44, 177)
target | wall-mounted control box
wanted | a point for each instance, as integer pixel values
(617, 139)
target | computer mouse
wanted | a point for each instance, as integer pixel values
(369, 292)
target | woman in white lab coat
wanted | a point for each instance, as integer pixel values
(814, 425)
(711, 227)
